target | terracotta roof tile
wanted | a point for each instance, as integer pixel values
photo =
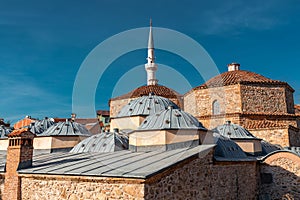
(297, 109)
(103, 112)
(158, 90)
(263, 124)
(18, 132)
(238, 76)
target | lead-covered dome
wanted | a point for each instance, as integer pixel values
(4, 131)
(39, 126)
(146, 105)
(172, 118)
(67, 128)
(103, 142)
(233, 131)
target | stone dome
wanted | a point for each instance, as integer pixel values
(233, 131)
(103, 142)
(67, 128)
(239, 77)
(172, 118)
(146, 105)
(40, 126)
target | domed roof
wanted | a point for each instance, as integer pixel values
(158, 90)
(268, 147)
(227, 148)
(4, 131)
(233, 131)
(40, 126)
(146, 105)
(238, 76)
(103, 142)
(172, 118)
(67, 128)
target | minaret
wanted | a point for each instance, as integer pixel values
(151, 67)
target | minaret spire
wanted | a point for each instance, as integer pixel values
(151, 67)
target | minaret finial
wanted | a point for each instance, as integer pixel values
(151, 67)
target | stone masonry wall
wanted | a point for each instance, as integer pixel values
(260, 99)
(227, 96)
(75, 188)
(280, 177)
(116, 106)
(289, 101)
(273, 135)
(201, 179)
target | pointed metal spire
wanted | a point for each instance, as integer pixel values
(150, 40)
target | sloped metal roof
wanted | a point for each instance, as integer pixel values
(233, 131)
(172, 118)
(112, 164)
(146, 105)
(103, 142)
(39, 126)
(66, 128)
(227, 148)
(268, 147)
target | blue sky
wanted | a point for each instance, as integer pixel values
(43, 44)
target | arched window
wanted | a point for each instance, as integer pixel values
(215, 107)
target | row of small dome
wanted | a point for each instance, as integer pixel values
(48, 127)
(162, 114)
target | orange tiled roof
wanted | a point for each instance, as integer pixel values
(18, 132)
(23, 123)
(158, 90)
(297, 109)
(238, 76)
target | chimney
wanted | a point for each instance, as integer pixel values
(73, 117)
(19, 156)
(233, 66)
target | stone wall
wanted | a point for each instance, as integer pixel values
(289, 101)
(273, 135)
(263, 99)
(229, 99)
(280, 177)
(74, 188)
(116, 106)
(201, 179)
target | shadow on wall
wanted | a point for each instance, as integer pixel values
(280, 179)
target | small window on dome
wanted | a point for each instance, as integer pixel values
(215, 107)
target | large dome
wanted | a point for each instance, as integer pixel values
(172, 118)
(146, 105)
(236, 77)
(103, 142)
(233, 131)
(158, 90)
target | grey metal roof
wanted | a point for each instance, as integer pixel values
(233, 131)
(2, 162)
(4, 131)
(39, 126)
(268, 147)
(113, 164)
(227, 148)
(294, 149)
(145, 105)
(103, 142)
(66, 128)
(172, 118)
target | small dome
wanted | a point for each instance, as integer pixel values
(67, 128)
(146, 105)
(172, 118)
(268, 147)
(227, 148)
(4, 131)
(103, 142)
(233, 131)
(40, 126)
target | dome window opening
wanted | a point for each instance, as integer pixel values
(141, 102)
(145, 121)
(156, 102)
(148, 108)
(167, 121)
